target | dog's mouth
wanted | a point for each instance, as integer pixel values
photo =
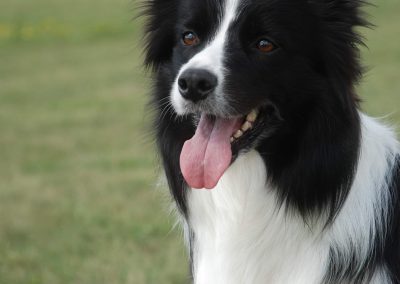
(215, 145)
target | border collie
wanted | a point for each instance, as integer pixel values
(277, 175)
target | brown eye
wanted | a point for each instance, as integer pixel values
(265, 46)
(190, 39)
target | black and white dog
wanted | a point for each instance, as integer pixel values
(256, 102)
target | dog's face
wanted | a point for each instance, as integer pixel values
(250, 67)
(233, 56)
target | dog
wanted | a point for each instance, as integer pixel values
(276, 173)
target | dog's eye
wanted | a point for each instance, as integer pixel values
(265, 46)
(190, 39)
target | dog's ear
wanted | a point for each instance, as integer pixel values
(159, 30)
(339, 21)
(347, 12)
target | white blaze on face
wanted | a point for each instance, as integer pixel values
(210, 58)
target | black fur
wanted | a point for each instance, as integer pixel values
(391, 251)
(312, 153)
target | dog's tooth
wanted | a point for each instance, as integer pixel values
(252, 116)
(246, 126)
(238, 134)
(232, 139)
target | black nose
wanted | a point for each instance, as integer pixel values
(196, 84)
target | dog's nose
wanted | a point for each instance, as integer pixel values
(196, 84)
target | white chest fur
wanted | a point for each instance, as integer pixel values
(242, 236)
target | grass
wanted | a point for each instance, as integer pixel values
(78, 202)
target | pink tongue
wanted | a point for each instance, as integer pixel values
(206, 156)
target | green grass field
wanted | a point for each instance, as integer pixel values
(78, 197)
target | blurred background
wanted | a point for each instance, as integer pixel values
(78, 169)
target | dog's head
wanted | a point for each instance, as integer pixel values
(246, 71)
